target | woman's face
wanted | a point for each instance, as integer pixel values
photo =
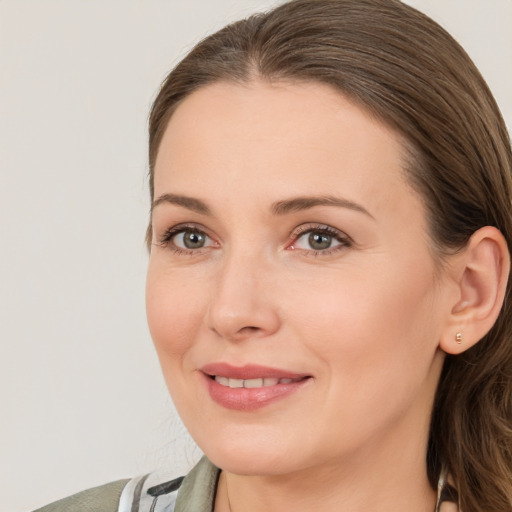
(292, 295)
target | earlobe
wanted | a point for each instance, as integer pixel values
(482, 270)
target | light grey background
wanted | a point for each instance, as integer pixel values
(82, 401)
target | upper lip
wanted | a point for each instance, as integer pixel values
(250, 371)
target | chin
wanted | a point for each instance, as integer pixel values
(252, 453)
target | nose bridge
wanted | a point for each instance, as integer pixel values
(239, 305)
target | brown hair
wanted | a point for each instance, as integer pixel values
(405, 69)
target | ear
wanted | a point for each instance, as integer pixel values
(481, 274)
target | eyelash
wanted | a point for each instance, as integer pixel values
(344, 240)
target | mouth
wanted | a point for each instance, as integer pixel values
(250, 387)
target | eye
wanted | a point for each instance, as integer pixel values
(186, 239)
(320, 239)
(190, 240)
(317, 241)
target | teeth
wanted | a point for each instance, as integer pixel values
(222, 380)
(252, 383)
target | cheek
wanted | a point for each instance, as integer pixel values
(375, 339)
(372, 321)
(174, 313)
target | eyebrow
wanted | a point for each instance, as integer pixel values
(196, 205)
(304, 203)
(283, 207)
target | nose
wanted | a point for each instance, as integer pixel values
(242, 304)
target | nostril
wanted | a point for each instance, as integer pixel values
(249, 329)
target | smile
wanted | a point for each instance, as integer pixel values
(250, 387)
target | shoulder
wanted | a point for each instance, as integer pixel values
(104, 498)
(153, 492)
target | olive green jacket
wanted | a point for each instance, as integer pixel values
(148, 493)
(104, 498)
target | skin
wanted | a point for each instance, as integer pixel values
(363, 318)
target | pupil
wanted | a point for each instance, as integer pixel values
(319, 241)
(193, 240)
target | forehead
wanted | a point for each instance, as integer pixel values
(279, 138)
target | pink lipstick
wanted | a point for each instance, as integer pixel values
(249, 387)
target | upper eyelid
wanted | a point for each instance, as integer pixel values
(308, 228)
(187, 226)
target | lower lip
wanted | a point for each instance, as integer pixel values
(250, 399)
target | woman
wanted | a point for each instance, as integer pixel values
(328, 280)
